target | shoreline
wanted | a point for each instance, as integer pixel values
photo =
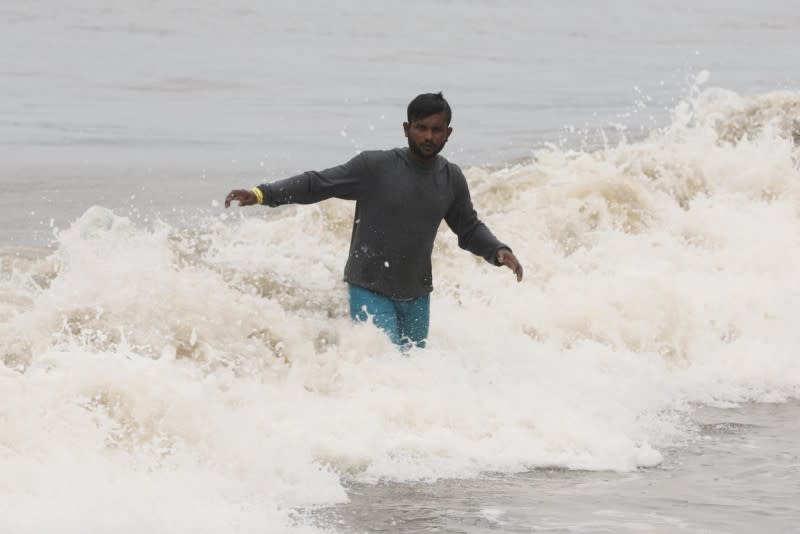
(718, 483)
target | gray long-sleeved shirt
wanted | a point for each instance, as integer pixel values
(400, 204)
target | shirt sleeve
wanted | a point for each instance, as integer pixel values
(462, 219)
(344, 181)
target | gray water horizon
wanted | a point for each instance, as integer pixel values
(166, 109)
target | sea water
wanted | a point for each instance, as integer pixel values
(167, 365)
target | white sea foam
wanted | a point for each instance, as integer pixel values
(209, 379)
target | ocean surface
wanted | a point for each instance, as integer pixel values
(167, 365)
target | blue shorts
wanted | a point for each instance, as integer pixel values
(406, 322)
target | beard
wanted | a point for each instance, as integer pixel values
(425, 150)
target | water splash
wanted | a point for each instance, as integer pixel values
(215, 364)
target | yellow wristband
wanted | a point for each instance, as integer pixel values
(259, 195)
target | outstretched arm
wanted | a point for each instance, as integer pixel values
(472, 234)
(344, 181)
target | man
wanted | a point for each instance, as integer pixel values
(401, 197)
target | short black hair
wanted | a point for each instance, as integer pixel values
(428, 104)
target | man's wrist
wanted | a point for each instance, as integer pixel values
(259, 195)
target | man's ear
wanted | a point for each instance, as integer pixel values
(406, 128)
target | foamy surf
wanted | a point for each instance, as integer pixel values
(207, 377)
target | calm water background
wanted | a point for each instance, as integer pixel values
(169, 104)
(167, 367)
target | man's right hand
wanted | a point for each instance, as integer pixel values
(245, 198)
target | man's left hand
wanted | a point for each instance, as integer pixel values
(507, 258)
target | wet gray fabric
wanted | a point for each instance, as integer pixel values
(399, 206)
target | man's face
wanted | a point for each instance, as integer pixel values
(427, 136)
